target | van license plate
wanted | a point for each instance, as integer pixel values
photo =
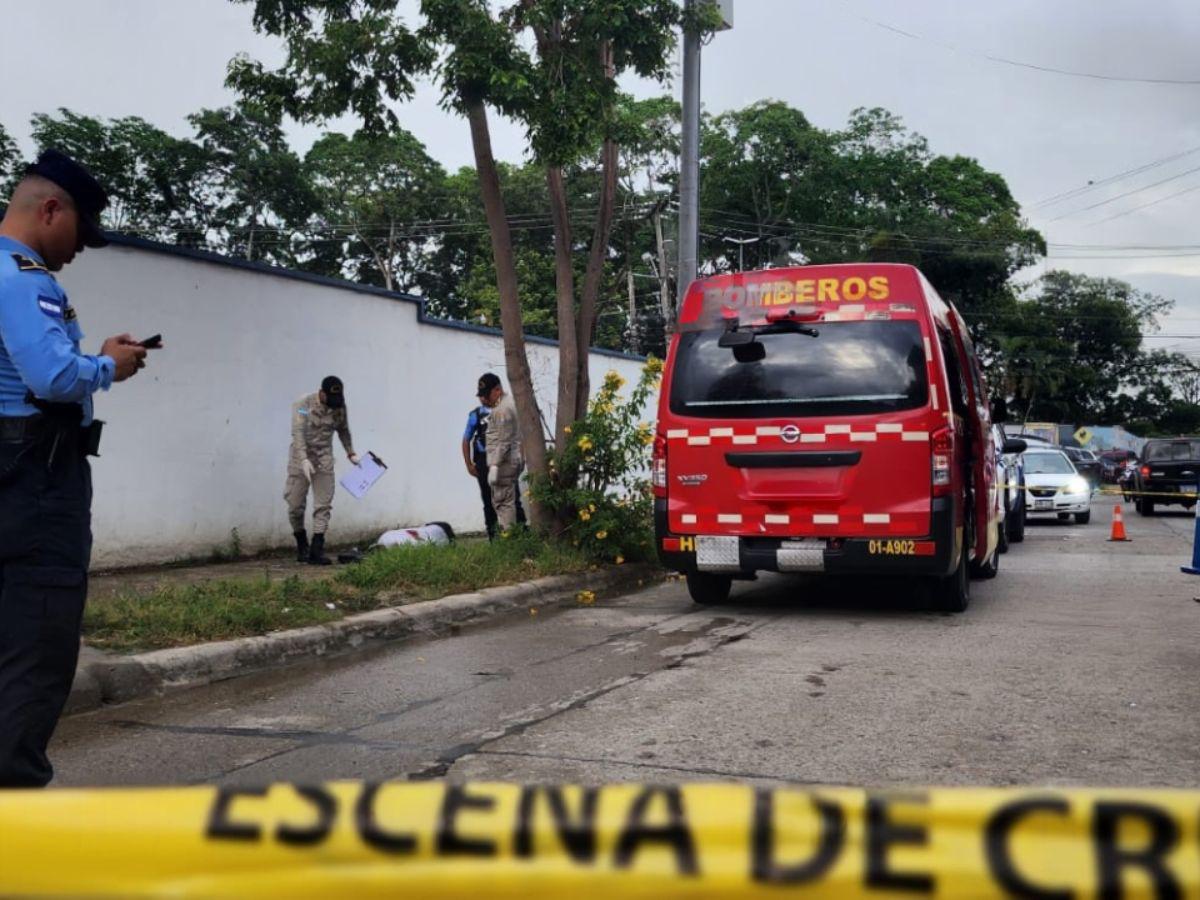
(1043, 504)
(717, 553)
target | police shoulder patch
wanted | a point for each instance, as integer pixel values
(25, 264)
(302, 411)
(51, 306)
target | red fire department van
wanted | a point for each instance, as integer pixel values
(824, 419)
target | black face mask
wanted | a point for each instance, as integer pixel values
(335, 401)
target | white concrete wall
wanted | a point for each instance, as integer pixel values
(196, 445)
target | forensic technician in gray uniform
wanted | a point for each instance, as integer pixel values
(315, 417)
(46, 433)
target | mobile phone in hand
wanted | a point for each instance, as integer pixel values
(152, 343)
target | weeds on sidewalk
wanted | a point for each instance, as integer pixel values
(179, 614)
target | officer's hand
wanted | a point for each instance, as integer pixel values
(353, 457)
(493, 475)
(474, 471)
(126, 353)
(307, 466)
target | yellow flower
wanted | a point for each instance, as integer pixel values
(592, 507)
(567, 430)
(601, 535)
(585, 597)
(584, 515)
(584, 443)
(654, 365)
(619, 560)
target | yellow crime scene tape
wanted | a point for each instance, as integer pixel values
(1117, 492)
(352, 839)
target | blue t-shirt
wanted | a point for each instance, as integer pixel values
(476, 430)
(40, 339)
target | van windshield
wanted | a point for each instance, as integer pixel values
(849, 368)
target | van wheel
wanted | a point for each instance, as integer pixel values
(1083, 518)
(708, 589)
(1015, 525)
(952, 594)
(1002, 542)
(1147, 507)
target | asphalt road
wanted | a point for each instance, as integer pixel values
(1077, 665)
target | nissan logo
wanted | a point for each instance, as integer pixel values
(790, 434)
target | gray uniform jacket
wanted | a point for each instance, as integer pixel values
(313, 425)
(504, 436)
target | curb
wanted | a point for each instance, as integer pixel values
(120, 679)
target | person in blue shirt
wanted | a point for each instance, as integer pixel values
(46, 431)
(474, 451)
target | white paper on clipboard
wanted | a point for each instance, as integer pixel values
(359, 479)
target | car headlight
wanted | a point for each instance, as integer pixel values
(1077, 485)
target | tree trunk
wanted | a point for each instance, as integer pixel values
(594, 277)
(520, 381)
(564, 282)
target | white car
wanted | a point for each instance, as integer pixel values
(1053, 485)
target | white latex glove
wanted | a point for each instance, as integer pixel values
(493, 475)
(353, 457)
(308, 468)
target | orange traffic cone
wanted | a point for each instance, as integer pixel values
(1118, 525)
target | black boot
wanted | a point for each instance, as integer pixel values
(316, 553)
(301, 546)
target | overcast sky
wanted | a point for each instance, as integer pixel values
(935, 63)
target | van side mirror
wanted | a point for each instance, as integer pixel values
(1015, 445)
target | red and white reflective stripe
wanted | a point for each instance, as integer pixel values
(706, 437)
(845, 518)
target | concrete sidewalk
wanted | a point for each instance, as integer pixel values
(103, 677)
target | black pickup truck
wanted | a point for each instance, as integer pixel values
(1167, 472)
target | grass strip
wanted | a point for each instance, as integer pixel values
(173, 615)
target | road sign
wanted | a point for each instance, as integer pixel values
(1083, 435)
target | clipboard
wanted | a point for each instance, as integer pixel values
(359, 479)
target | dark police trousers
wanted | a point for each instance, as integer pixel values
(485, 493)
(45, 546)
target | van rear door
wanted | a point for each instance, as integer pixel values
(824, 434)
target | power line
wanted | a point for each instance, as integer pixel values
(1120, 176)
(1126, 194)
(1002, 60)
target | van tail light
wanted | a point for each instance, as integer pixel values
(658, 466)
(942, 448)
(1145, 471)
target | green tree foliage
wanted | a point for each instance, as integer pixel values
(155, 181)
(259, 193)
(381, 201)
(1072, 351)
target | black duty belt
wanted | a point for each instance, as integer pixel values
(21, 429)
(32, 429)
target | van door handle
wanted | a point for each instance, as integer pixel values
(795, 459)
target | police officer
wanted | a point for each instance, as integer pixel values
(474, 451)
(315, 417)
(46, 430)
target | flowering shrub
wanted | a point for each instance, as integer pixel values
(597, 484)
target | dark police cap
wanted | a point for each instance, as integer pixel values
(487, 381)
(335, 395)
(90, 198)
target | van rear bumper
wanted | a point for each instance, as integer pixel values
(848, 555)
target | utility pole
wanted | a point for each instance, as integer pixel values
(634, 340)
(664, 275)
(689, 159)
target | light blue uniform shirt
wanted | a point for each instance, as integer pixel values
(39, 339)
